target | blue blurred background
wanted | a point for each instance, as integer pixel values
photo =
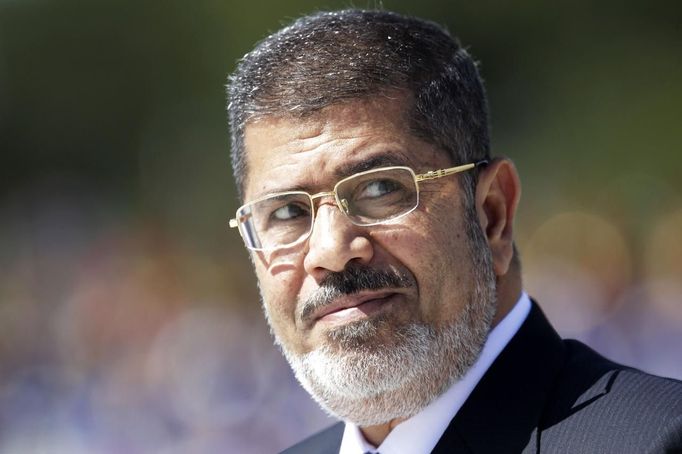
(129, 316)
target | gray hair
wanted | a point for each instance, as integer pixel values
(333, 57)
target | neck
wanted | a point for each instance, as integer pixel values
(509, 288)
(376, 435)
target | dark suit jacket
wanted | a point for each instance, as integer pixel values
(547, 395)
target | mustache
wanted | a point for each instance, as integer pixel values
(353, 279)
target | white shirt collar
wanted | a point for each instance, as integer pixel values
(421, 433)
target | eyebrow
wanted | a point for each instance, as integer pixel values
(380, 160)
(385, 159)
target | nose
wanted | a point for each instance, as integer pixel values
(334, 242)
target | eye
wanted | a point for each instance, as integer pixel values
(377, 188)
(289, 212)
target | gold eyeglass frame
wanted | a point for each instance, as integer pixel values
(342, 205)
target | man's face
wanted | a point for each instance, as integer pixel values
(420, 267)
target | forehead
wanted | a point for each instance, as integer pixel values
(286, 154)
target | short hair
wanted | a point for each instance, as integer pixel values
(329, 58)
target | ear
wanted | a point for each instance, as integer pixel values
(497, 195)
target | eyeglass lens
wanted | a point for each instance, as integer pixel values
(378, 196)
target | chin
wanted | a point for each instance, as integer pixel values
(371, 371)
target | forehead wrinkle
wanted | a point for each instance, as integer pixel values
(351, 144)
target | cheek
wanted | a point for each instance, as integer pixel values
(279, 287)
(435, 252)
(434, 246)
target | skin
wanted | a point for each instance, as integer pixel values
(312, 155)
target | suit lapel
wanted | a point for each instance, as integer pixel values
(504, 410)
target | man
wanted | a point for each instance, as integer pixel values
(381, 232)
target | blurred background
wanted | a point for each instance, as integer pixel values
(129, 316)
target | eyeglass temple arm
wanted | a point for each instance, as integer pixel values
(433, 174)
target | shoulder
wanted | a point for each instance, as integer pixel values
(612, 406)
(586, 370)
(326, 441)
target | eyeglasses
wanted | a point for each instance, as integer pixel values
(367, 198)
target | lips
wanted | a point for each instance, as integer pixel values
(352, 305)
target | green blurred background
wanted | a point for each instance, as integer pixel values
(129, 317)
